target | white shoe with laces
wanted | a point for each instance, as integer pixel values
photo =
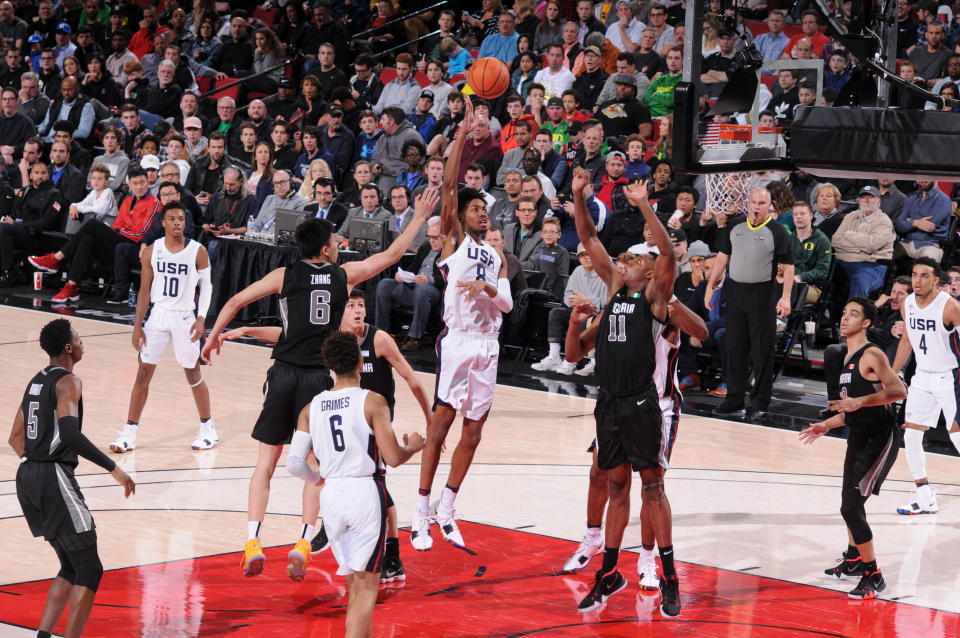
(587, 370)
(446, 520)
(127, 441)
(920, 505)
(567, 367)
(420, 530)
(590, 546)
(647, 569)
(206, 437)
(547, 364)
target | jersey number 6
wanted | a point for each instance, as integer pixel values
(320, 307)
(338, 444)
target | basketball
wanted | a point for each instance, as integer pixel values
(489, 78)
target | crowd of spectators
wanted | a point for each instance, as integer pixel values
(104, 119)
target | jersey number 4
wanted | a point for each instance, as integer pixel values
(320, 307)
(338, 443)
(923, 343)
(32, 419)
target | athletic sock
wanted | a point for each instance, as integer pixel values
(202, 420)
(253, 529)
(132, 423)
(43, 634)
(610, 557)
(924, 494)
(916, 459)
(393, 548)
(307, 532)
(447, 497)
(852, 552)
(554, 350)
(423, 500)
(666, 562)
(869, 566)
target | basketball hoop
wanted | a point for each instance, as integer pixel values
(727, 192)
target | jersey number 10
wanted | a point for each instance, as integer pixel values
(171, 286)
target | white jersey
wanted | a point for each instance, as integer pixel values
(471, 261)
(935, 348)
(665, 374)
(175, 276)
(343, 441)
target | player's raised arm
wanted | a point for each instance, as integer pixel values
(665, 266)
(378, 416)
(359, 271)
(577, 343)
(450, 226)
(387, 348)
(271, 284)
(688, 321)
(587, 232)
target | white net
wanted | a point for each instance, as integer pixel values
(727, 192)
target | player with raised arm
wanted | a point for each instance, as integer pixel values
(868, 388)
(381, 357)
(930, 320)
(313, 293)
(171, 268)
(468, 349)
(47, 437)
(348, 429)
(629, 420)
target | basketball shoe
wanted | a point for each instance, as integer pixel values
(566, 368)
(299, 558)
(45, 263)
(847, 567)
(206, 436)
(320, 541)
(590, 546)
(127, 441)
(420, 530)
(921, 504)
(871, 584)
(647, 569)
(392, 571)
(446, 520)
(670, 597)
(547, 364)
(253, 558)
(604, 586)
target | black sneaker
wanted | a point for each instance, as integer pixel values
(870, 585)
(320, 541)
(392, 571)
(847, 567)
(670, 596)
(604, 586)
(118, 298)
(729, 408)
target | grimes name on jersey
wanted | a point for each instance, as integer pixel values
(171, 268)
(320, 280)
(330, 405)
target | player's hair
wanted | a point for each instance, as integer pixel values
(869, 309)
(356, 293)
(174, 205)
(312, 235)
(341, 352)
(465, 196)
(55, 336)
(926, 261)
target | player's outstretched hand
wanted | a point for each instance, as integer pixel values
(212, 345)
(468, 117)
(138, 339)
(636, 193)
(230, 335)
(414, 441)
(814, 432)
(197, 329)
(121, 477)
(582, 312)
(848, 404)
(426, 202)
(472, 288)
(581, 178)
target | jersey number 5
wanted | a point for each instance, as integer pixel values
(32, 419)
(320, 307)
(335, 422)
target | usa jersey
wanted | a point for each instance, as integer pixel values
(471, 261)
(936, 349)
(175, 276)
(343, 441)
(39, 408)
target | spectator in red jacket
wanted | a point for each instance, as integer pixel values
(142, 41)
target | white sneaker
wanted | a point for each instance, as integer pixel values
(567, 367)
(548, 364)
(446, 520)
(919, 505)
(587, 370)
(206, 437)
(127, 441)
(647, 568)
(590, 546)
(420, 530)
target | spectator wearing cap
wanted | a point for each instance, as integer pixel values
(397, 131)
(555, 78)
(625, 63)
(812, 252)
(923, 222)
(422, 117)
(503, 44)
(556, 124)
(195, 141)
(659, 95)
(64, 47)
(716, 65)
(680, 245)
(625, 114)
(611, 185)
(142, 41)
(590, 81)
(931, 59)
(690, 273)
(337, 140)
(864, 237)
(284, 104)
(403, 91)
(608, 54)
(513, 158)
(330, 75)
(508, 133)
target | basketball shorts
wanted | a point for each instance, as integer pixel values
(929, 394)
(355, 517)
(164, 327)
(670, 411)
(287, 390)
(467, 371)
(630, 430)
(52, 503)
(869, 457)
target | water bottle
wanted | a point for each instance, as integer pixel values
(251, 228)
(132, 297)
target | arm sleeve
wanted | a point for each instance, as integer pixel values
(503, 300)
(71, 435)
(206, 292)
(296, 458)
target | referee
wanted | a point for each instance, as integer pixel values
(751, 250)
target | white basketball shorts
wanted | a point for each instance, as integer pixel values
(355, 517)
(929, 394)
(467, 371)
(170, 326)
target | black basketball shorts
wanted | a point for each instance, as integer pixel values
(287, 390)
(630, 430)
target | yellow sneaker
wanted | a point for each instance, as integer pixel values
(253, 557)
(299, 558)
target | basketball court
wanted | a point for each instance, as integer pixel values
(755, 522)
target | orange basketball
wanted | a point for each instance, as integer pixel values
(489, 78)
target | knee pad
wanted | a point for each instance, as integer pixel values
(653, 491)
(855, 516)
(88, 568)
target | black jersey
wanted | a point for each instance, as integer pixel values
(39, 409)
(311, 306)
(852, 384)
(377, 373)
(626, 344)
